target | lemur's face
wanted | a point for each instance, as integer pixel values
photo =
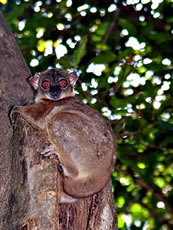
(54, 84)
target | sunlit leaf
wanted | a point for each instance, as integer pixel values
(80, 51)
(104, 58)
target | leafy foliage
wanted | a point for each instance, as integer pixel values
(123, 53)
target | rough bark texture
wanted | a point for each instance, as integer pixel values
(13, 90)
(29, 185)
(34, 202)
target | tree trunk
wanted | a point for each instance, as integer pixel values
(13, 91)
(30, 184)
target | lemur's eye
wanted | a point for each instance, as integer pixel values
(45, 84)
(63, 83)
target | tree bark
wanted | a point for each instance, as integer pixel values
(13, 91)
(30, 184)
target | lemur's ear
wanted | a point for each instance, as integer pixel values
(72, 76)
(34, 80)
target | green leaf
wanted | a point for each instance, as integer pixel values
(80, 51)
(166, 125)
(125, 24)
(104, 58)
(65, 62)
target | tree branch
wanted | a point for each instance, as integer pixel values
(152, 188)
